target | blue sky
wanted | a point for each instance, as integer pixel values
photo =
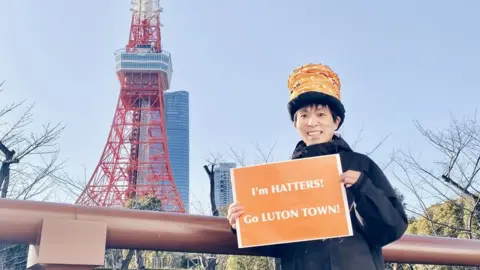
(397, 61)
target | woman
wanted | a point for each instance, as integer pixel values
(378, 217)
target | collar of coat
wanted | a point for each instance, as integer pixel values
(336, 145)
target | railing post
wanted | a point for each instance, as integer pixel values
(68, 244)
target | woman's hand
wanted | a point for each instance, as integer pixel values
(349, 178)
(235, 210)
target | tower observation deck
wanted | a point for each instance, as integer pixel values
(145, 60)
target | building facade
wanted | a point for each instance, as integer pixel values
(178, 140)
(223, 184)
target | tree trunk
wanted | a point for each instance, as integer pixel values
(4, 179)
(211, 264)
(211, 176)
(139, 257)
(5, 168)
(127, 259)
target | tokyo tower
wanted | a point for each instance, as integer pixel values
(135, 160)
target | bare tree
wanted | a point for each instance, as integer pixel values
(451, 179)
(72, 187)
(212, 161)
(260, 155)
(354, 145)
(28, 159)
(28, 164)
(444, 184)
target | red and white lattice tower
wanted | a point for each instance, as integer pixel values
(135, 160)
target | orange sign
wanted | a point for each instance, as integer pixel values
(291, 201)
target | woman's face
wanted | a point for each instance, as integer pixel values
(315, 124)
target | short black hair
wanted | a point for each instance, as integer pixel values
(332, 112)
(317, 98)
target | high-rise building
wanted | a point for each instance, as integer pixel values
(178, 140)
(223, 184)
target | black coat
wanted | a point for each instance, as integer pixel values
(378, 218)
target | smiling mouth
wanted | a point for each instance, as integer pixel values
(314, 133)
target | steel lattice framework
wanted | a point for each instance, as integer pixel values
(135, 161)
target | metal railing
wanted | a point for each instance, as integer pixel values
(24, 222)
